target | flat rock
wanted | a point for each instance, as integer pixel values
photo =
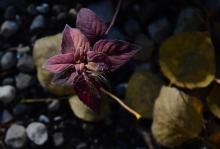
(7, 93)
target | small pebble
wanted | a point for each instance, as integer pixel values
(103, 9)
(120, 89)
(7, 93)
(9, 28)
(8, 81)
(16, 136)
(5, 117)
(54, 105)
(25, 63)
(8, 60)
(132, 27)
(44, 8)
(37, 133)
(19, 109)
(160, 30)
(37, 23)
(44, 119)
(10, 13)
(58, 139)
(23, 81)
(22, 49)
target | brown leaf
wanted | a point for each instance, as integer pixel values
(143, 89)
(187, 59)
(175, 120)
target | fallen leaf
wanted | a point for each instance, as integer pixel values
(175, 120)
(83, 112)
(187, 59)
(213, 100)
(143, 89)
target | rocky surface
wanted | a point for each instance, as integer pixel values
(37, 114)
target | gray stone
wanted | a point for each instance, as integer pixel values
(16, 136)
(58, 139)
(23, 49)
(44, 8)
(7, 93)
(120, 89)
(23, 81)
(54, 105)
(8, 81)
(9, 28)
(132, 27)
(25, 63)
(10, 13)
(147, 47)
(72, 13)
(115, 33)
(8, 60)
(37, 133)
(5, 117)
(190, 19)
(160, 30)
(37, 23)
(44, 119)
(103, 9)
(19, 109)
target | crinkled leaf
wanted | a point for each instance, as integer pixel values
(187, 59)
(59, 63)
(85, 113)
(143, 89)
(88, 91)
(73, 41)
(213, 100)
(176, 120)
(43, 49)
(90, 24)
(119, 52)
(98, 61)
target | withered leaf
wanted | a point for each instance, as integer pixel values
(175, 120)
(213, 100)
(83, 112)
(143, 89)
(187, 59)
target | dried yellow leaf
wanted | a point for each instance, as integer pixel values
(213, 100)
(143, 89)
(175, 120)
(83, 112)
(187, 59)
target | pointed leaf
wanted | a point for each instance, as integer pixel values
(73, 40)
(59, 63)
(88, 91)
(90, 24)
(119, 52)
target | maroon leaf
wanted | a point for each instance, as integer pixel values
(98, 61)
(65, 78)
(90, 24)
(119, 52)
(88, 91)
(59, 63)
(73, 40)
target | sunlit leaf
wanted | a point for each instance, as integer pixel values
(187, 59)
(143, 89)
(83, 112)
(213, 100)
(175, 120)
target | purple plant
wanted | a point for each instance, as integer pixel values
(84, 61)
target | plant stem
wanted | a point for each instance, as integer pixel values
(114, 17)
(137, 115)
(39, 100)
